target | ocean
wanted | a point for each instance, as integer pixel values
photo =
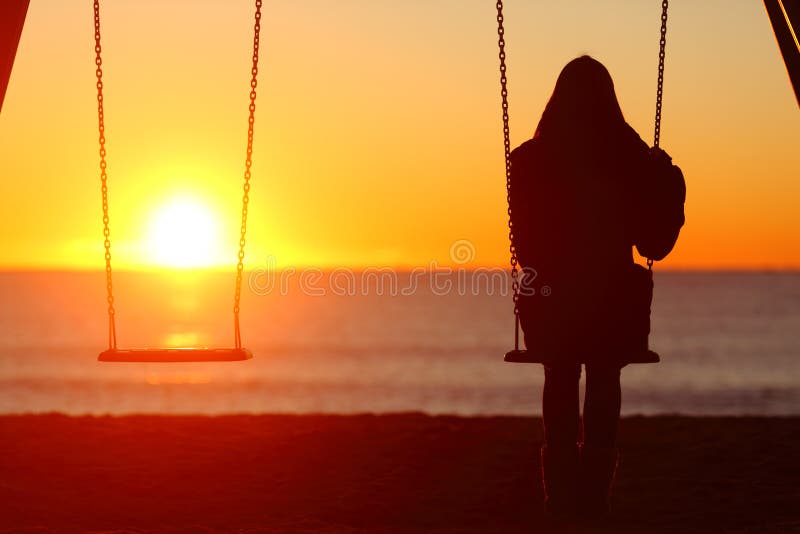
(729, 343)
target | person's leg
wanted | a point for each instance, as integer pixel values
(561, 404)
(560, 413)
(598, 461)
(602, 405)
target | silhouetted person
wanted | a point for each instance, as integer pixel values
(584, 191)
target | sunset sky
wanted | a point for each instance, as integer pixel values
(378, 133)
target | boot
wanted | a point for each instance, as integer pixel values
(560, 480)
(596, 476)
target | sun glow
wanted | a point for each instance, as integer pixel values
(184, 233)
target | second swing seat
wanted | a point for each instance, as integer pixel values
(170, 355)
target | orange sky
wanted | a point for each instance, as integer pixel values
(378, 135)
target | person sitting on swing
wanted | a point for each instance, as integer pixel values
(584, 191)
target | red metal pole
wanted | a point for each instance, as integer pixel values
(12, 18)
(785, 18)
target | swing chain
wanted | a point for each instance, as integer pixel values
(247, 165)
(98, 61)
(661, 56)
(662, 46)
(501, 43)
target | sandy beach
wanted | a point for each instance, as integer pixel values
(388, 473)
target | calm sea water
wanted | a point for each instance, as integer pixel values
(730, 344)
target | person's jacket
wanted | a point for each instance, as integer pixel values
(577, 209)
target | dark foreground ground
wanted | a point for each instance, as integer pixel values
(394, 473)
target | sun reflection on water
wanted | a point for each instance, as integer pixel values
(182, 339)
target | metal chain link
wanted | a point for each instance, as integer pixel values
(660, 90)
(112, 329)
(247, 165)
(512, 248)
(661, 55)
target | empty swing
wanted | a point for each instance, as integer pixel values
(183, 354)
(518, 355)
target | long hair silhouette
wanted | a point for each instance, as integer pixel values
(583, 104)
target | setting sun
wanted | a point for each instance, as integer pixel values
(184, 233)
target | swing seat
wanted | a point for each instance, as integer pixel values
(524, 356)
(175, 355)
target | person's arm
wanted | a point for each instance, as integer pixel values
(662, 195)
(520, 201)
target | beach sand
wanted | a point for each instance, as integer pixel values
(388, 473)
